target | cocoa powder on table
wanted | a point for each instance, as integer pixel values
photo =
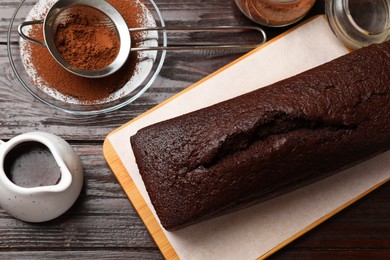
(86, 90)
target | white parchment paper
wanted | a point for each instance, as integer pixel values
(252, 232)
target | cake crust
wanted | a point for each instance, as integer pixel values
(268, 141)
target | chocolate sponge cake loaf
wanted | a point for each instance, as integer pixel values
(268, 141)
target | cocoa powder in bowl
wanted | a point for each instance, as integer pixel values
(275, 12)
(84, 90)
(84, 41)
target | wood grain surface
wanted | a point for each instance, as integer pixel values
(103, 224)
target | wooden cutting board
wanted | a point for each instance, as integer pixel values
(260, 230)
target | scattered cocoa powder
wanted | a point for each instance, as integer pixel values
(85, 89)
(84, 41)
(275, 12)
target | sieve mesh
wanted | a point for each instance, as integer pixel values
(93, 17)
(85, 37)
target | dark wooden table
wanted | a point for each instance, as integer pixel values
(103, 224)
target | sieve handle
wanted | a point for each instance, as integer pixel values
(24, 36)
(201, 29)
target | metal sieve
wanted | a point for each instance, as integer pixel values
(59, 12)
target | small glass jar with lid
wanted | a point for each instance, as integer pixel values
(359, 23)
(275, 13)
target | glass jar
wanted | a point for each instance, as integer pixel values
(358, 23)
(275, 13)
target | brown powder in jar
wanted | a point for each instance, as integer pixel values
(274, 12)
(86, 90)
(84, 41)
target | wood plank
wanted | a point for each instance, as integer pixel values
(103, 253)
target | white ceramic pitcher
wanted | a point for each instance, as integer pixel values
(43, 203)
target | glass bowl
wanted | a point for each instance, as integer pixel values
(148, 67)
